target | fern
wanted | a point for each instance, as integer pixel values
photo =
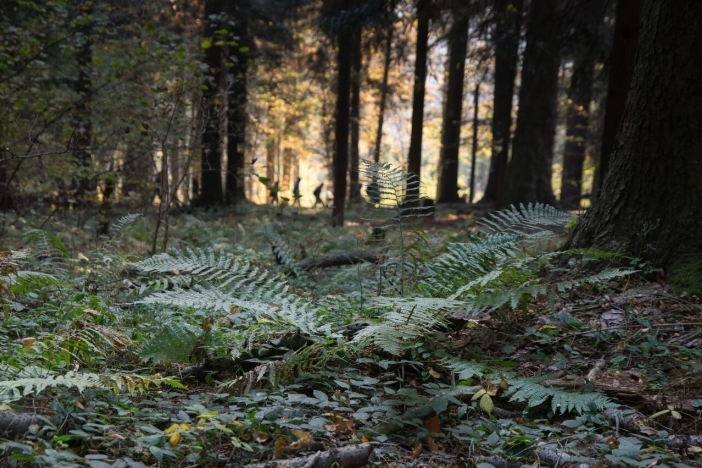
(173, 341)
(530, 390)
(224, 286)
(282, 251)
(395, 195)
(406, 321)
(22, 386)
(528, 221)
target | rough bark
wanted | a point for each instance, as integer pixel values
(529, 172)
(414, 158)
(447, 189)
(354, 186)
(341, 154)
(508, 15)
(237, 72)
(211, 162)
(621, 65)
(577, 121)
(650, 204)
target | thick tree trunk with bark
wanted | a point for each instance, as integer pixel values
(508, 17)
(414, 158)
(341, 154)
(354, 186)
(529, 172)
(211, 163)
(237, 71)
(447, 189)
(621, 66)
(650, 205)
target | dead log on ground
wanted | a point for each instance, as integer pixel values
(354, 456)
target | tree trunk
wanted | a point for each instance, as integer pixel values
(355, 188)
(384, 91)
(577, 121)
(650, 204)
(236, 11)
(211, 166)
(341, 155)
(508, 17)
(414, 158)
(82, 131)
(621, 66)
(447, 189)
(529, 172)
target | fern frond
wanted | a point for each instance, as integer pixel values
(528, 220)
(534, 393)
(531, 390)
(122, 223)
(406, 321)
(282, 251)
(173, 341)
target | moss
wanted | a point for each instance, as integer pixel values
(685, 274)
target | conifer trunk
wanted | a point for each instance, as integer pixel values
(529, 172)
(650, 204)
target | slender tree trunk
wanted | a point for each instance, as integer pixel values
(237, 70)
(354, 186)
(414, 158)
(474, 147)
(621, 66)
(447, 190)
(577, 121)
(211, 165)
(650, 204)
(384, 91)
(529, 172)
(508, 17)
(341, 155)
(82, 131)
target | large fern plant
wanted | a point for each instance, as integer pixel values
(259, 303)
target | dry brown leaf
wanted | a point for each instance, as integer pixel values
(431, 445)
(416, 452)
(279, 449)
(433, 425)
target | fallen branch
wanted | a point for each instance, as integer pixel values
(354, 456)
(324, 261)
(13, 424)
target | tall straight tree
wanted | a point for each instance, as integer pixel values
(414, 158)
(650, 205)
(529, 173)
(447, 190)
(82, 131)
(341, 154)
(508, 20)
(621, 66)
(211, 161)
(356, 62)
(384, 85)
(585, 54)
(236, 68)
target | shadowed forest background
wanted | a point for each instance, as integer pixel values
(450, 223)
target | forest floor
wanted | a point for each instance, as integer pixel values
(100, 369)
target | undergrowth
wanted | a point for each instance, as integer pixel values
(239, 349)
